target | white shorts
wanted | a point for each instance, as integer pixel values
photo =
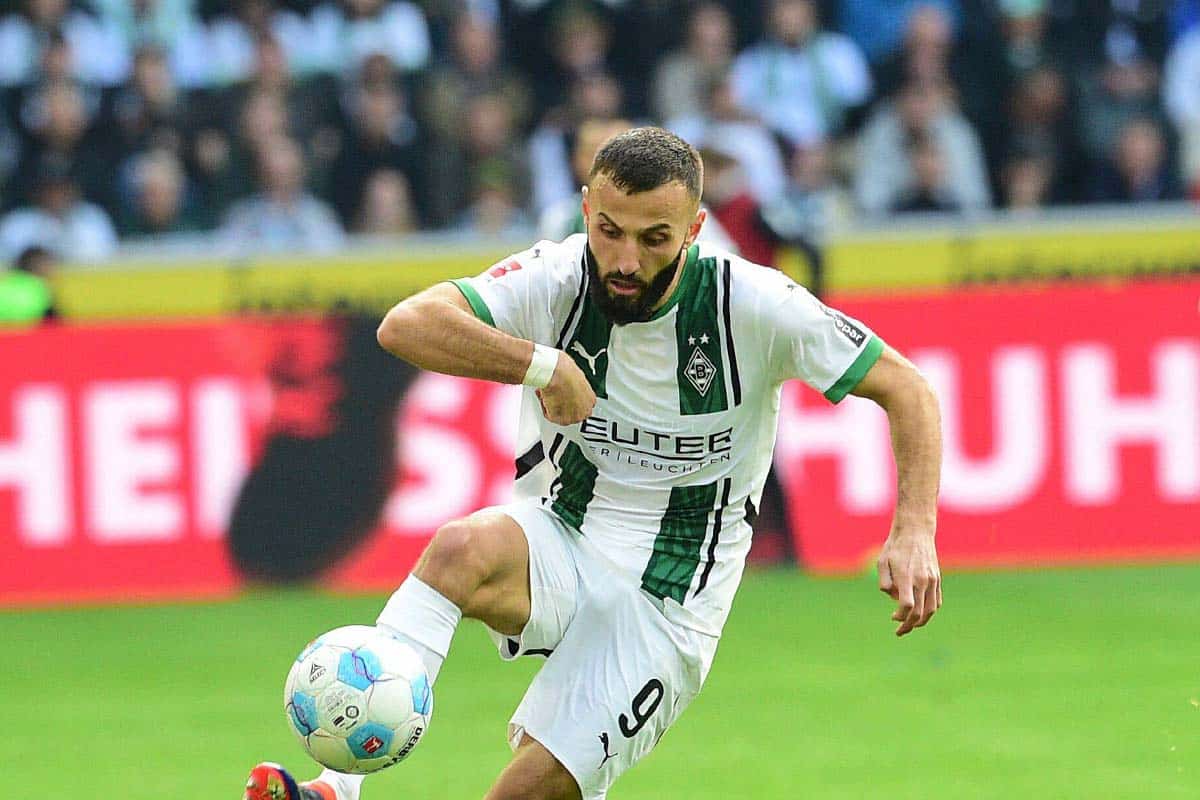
(617, 674)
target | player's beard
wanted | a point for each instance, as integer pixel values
(621, 309)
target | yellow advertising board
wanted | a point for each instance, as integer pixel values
(1014, 252)
(372, 279)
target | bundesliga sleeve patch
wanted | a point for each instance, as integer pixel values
(503, 268)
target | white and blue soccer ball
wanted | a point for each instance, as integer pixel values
(358, 699)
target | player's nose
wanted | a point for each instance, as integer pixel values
(627, 259)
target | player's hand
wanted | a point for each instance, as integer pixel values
(909, 574)
(568, 397)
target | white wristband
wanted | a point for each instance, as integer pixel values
(541, 366)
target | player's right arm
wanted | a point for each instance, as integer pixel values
(436, 330)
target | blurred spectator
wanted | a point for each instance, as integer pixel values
(159, 201)
(1024, 26)
(1114, 29)
(739, 135)
(26, 295)
(801, 81)
(1069, 100)
(1039, 119)
(240, 120)
(1138, 170)
(565, 217)
(387, 205)
(1125, 88)
(303, 109)
(925, 52)
(10, 151)
(57, 120)
(490, 151)
(59, 220)
(150, 111)
(579, 44)
(494, 210)
(813, 203)
(382, 137)
(223, 162)
(97, 54)
(734, 208)
(345, 34)
(475, 67)
(929, 190)
(169, 26)
(1181, 96)
(879, 27)
(595, 96)
(1027, 179)
(887, 171)
(229, 42)
(282, 217)
(683, 77)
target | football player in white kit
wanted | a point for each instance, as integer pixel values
(653, 367)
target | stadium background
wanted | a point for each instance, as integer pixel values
(205, 206)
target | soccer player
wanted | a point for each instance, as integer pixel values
(656, 363)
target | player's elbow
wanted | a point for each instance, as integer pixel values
(905, 388)
(918, 396)
(395, 329)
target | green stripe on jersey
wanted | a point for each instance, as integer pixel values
(477, 305)
(856, 371)
(679, 541)
(589, 346)
(701, 367)
(577, 486)
(681, 286)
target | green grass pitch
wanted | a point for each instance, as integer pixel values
(1054, 684)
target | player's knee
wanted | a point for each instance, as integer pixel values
(557, 791)
(555, 785)
(456, 559)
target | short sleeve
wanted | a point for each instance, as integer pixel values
(525, 293)
(826, 349)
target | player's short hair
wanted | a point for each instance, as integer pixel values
(641, 159)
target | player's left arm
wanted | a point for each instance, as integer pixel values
(908, 564)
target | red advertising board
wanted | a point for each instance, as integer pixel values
(123, 448)
(1071, 422)
(1071, 415)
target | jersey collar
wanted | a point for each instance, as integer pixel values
(685, 280)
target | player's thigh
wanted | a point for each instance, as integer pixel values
(554, 583)
(534, 774)
(481, 563)
(618, 680)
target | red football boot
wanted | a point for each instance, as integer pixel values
(269, 781)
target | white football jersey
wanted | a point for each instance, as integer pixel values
(666, 474)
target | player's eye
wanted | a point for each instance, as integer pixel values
(655, 241)
(611, 233)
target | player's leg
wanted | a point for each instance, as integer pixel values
(618, 679)
(476, 567)
(534, 774)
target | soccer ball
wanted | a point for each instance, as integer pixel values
(358, 699)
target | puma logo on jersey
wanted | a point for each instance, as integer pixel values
(607, 755)
(591, 359)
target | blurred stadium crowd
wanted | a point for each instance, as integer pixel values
(286, 124)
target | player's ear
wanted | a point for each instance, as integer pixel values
(587, 211)
(694, 228)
